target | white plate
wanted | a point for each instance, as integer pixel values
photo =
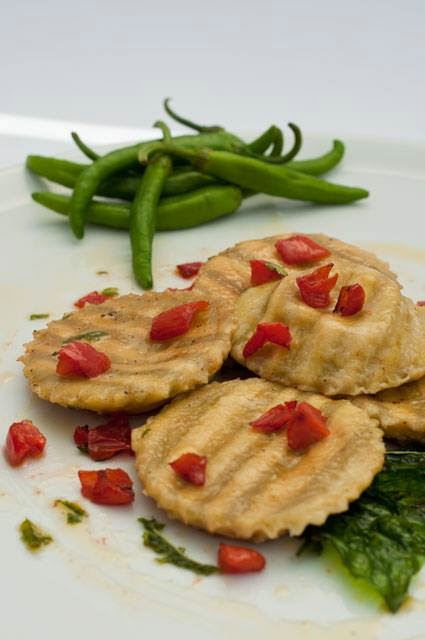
(97, 577)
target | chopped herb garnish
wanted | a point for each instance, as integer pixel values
(102, 273)
(110, 291)
(32, 536)
(74, 513)
(90, 336)
(145, 432)
(169, 554)
(276, 267)
(381, 539)
(39, 316)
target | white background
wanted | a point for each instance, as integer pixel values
(330, 65)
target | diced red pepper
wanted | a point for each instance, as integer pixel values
(275, 418)
(275, 332)
(105, 440)
(315, 287)
(176, 321)
(263, 271)
(191, 468)
(81, 437)
(94, 297)
(107, 486)
(306, 427)
(189, 269)
(421, 303)
(23, 440)
(351, 300)
(299, 249)
(233, 559)
(81, 359)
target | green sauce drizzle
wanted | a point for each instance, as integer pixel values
(168, 554)
(110, 291)
(90, 336)
(32, 536)
(39, 316)
(74, 513)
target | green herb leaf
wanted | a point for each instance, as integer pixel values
(381, 539)
(32, 536)
(90, 336)
(74, 513)
(169, 554)
(145, 432)
(102, 272)
(276, 267)
(110, 291)
(39, 316)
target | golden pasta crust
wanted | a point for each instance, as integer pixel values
(256, 487)
(380, 347)
(228, 273)
(144, 373)
(400, 412)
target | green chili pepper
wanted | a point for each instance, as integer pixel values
(278, 141)
(126, 158)
(278, 159)
(322, 164)
(276, 180)
(62, 172)
(143, 217)
(90, 153)
(184, 179)
(175, 212)
(272, 136)
(90, 179)
(122, 186)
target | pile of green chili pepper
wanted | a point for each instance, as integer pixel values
(183, 181)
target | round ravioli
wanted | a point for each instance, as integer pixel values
(255, 486)
(400, 412)
(228, 274)
(144, 373)
(381, 346)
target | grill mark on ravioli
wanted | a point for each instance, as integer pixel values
(256, 488)
(143, 373)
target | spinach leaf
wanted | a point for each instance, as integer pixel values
(382, 537)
